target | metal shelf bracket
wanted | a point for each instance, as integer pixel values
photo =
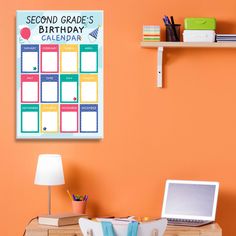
(159, 67)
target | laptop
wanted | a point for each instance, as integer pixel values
(190, 203)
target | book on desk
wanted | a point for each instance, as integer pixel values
(60, 219)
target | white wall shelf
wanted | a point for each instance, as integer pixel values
(161, 45)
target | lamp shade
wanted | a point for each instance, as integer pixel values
(49, 170)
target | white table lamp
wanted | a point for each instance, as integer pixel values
(49, 172)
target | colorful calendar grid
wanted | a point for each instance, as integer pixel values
(59, 74)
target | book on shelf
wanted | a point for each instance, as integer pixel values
(60, 219)
(226, 37)
(151, 33)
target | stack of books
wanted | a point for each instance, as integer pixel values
(151, 33)
(61, 219)
(226, 38)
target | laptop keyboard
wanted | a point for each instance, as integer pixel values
(187, 222)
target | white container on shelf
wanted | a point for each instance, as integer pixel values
(199, 36)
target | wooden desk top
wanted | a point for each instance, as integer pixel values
(34, 229)
(206, 230)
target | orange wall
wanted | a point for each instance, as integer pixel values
(184, 131)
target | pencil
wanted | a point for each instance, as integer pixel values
(69, 195)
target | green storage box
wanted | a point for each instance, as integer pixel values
(200, 23)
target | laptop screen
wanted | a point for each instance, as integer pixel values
(190, 200)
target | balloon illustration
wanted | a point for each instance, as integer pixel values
(25, 33)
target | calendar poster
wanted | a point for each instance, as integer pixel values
(59, 75)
